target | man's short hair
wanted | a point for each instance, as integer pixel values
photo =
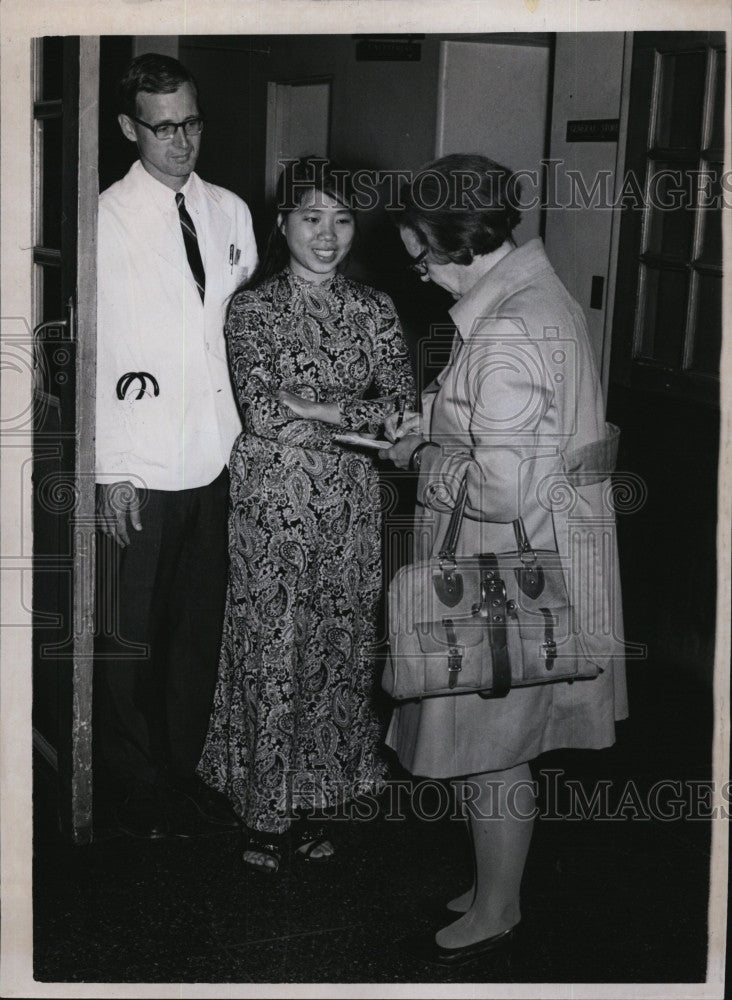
(151, 73)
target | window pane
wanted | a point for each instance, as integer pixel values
(681, 103)
(664, 316)
(711, 216)
(670, 224)
(717, 137)
(708, 325)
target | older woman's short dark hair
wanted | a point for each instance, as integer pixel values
(460, 205)
(151, 73)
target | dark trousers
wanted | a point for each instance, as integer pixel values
(160, 607)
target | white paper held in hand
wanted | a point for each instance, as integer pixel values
(359, 441)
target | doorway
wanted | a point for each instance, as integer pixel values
(298, 124)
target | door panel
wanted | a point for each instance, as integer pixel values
(64, 260)
(664, 384)
(667, 324)
(55, 381)
(484, 90)
(298, 124)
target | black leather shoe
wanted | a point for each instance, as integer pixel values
(141, 814)
(426, 949)
(211, 805)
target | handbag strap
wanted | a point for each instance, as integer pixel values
(522, 539)
(493, 591)
(449, 542)
(599, 454)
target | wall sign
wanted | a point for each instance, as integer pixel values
(388, 50)
(593, 130)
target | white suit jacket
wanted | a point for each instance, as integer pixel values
(157, 341)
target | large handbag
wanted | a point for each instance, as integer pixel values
(482, 623)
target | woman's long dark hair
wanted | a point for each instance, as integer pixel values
(299, 177)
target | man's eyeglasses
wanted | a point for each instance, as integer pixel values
(418, 264)
(166, 130)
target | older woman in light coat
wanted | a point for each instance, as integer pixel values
(518, 411)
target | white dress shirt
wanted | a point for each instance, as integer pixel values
(150, 320)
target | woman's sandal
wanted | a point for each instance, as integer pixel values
(269, 846)
(307, 837)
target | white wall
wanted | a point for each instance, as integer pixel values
(581, 242)
(493, 100)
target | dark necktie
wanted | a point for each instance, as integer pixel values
(191, 241)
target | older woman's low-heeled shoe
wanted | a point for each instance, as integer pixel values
(425, 948)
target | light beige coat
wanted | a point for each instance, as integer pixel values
(519, 410)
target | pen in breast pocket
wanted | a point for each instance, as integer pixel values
(238, 255)
(231, 258)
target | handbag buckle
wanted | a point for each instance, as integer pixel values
(549, 646)
(450, 578)
(449, 583)
(530, 577)
(454, 665)
(492, 594)
(549, 652)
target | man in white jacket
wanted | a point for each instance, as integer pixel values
(172, 249)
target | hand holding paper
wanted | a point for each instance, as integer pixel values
(360, 441)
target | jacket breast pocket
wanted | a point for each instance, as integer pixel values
(235, 276)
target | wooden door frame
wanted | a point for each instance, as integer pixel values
(612, 272)
(76, 812)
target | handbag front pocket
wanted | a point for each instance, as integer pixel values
(540, 648)
(494, 638)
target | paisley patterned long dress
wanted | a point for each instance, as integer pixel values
(293, 723)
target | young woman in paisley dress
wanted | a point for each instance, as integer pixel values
(293, 726)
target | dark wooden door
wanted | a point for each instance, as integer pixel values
(64, 260)
(664, 376)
